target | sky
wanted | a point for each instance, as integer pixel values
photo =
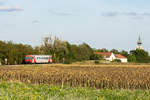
(100, 23)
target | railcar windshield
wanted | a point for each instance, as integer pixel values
(28, 58)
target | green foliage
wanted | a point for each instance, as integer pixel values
(68, 61)
(142, 56)
(96, 57)
(96, 61)
(124, 53)
(64, 52)
(101, 50)
(20, 91)
(14, 53)
(81, 52)
(85, 51)
(116, 60)
(115, 51)
(61, 51)
(131, 58)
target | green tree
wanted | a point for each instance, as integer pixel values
(85, 51)
(142, 56)
(124, 53)
(14, 53)
(115, 51)
(131, 58)
(101, 50)
(96, 57)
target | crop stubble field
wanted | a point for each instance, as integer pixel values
(95, 76)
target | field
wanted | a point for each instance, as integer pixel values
(20, 91)
(96, 76)
(101, 82)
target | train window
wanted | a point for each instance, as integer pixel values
(29, 58)
(44, 58)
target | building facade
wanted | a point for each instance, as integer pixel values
(111, 56)
(139, 44)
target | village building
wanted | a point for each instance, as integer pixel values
(139, 44)
(121, 58)
(111, 56)
(107, 55)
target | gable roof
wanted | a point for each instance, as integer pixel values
(108, 54)
(105, 54)
(119, 56)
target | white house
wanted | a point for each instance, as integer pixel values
(122, 58)
(111, 56)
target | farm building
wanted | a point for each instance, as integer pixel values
(111, 56)
(122, 58)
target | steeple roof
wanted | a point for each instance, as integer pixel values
(139, 40)
(139, 43)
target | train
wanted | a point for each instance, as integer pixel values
(38, 59)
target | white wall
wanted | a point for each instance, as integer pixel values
(112, 57)
(124, 60)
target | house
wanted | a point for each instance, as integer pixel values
(107, 55)
(121, 58)
(111, 56)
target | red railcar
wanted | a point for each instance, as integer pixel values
(33, 59)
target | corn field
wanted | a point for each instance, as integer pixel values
(100, 76)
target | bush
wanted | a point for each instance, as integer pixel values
(141, 56)
(67, 61)
(96, 57)
(117, 60)
(96, 61)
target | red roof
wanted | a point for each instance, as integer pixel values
(105, 54)
(119, 56)
(108, 54)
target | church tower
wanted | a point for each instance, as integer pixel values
(139, 43)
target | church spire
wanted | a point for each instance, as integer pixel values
(139, 43)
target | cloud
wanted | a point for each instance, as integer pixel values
(133, 14)
(9, 9)
(110, 14)
(35, 21)
(137, 14)
(61, 13)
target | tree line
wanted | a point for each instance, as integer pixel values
(135, 56)
(12, 53)
(62, 52)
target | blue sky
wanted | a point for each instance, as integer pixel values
(100, 23)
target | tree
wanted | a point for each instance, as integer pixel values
(114, 51)
(142, 56)
(124, 53)
(102, 50)
(81, 52)
(96, 57)
(14, 53)
(85, 51)
(59, 49)
(131, 58)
